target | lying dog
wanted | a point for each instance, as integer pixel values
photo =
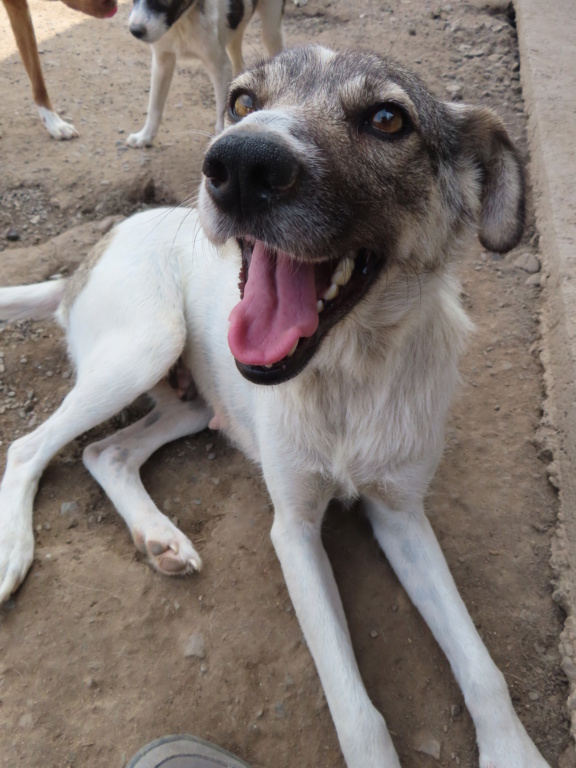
(341, 192)
(209, 30)
(21, 22)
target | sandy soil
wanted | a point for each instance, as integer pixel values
(93, 648)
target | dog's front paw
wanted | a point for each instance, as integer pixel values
(57, 128)
(169, 551)
(510, 747)
(140, 140)
(16, 555)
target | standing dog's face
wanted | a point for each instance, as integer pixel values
(335, 170)
(150, 19)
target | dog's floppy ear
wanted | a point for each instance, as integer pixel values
(503, 187)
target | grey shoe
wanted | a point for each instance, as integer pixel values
(183, 751)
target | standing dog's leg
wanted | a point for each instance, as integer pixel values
(163, 65)
(21, 22)
(219, 70)
(271, 15)
(115, 463)
(298, 510)
(234, 50)
(413, 551)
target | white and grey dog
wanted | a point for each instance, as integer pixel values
(332, 209)
(209, 30)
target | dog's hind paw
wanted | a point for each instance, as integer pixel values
(16, 555)
(169, 551)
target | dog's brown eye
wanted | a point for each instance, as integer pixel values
(387, 119)
(243, 105)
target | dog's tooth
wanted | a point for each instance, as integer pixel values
(293, 348)
(331, 293)
(319, 306)
(268, 366)
(343, 271)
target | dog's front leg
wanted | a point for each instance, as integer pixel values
(163, 65)
(299, 505)
(413, 551)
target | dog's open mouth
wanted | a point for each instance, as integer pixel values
(288, 306)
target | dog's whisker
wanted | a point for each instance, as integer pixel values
(191, 199)
(394, 41)
(193, 131)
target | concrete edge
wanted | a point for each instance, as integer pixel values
(547, 43)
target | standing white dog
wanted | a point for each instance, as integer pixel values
(332, 208)
(209, 30)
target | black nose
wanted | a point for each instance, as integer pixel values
(138, 30)
(247, 174)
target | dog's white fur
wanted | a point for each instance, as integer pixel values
(202, 32)
(362, 420)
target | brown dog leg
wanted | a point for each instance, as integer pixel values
(21, 22)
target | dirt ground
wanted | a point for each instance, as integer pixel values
(93, 648)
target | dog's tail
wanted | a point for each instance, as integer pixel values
(31, 302)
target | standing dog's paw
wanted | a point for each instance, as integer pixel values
(139, 140)
(169, 551)
(16, 555)
(57, 128)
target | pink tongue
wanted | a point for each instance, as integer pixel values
(279, 307)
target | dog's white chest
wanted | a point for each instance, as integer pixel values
(355, 435)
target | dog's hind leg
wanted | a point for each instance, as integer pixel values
(299, 504)
(412, 549)
(115, 463)
(220, 70)
(271, 16)
(21, 22)
(234, 50)
(110, 377)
